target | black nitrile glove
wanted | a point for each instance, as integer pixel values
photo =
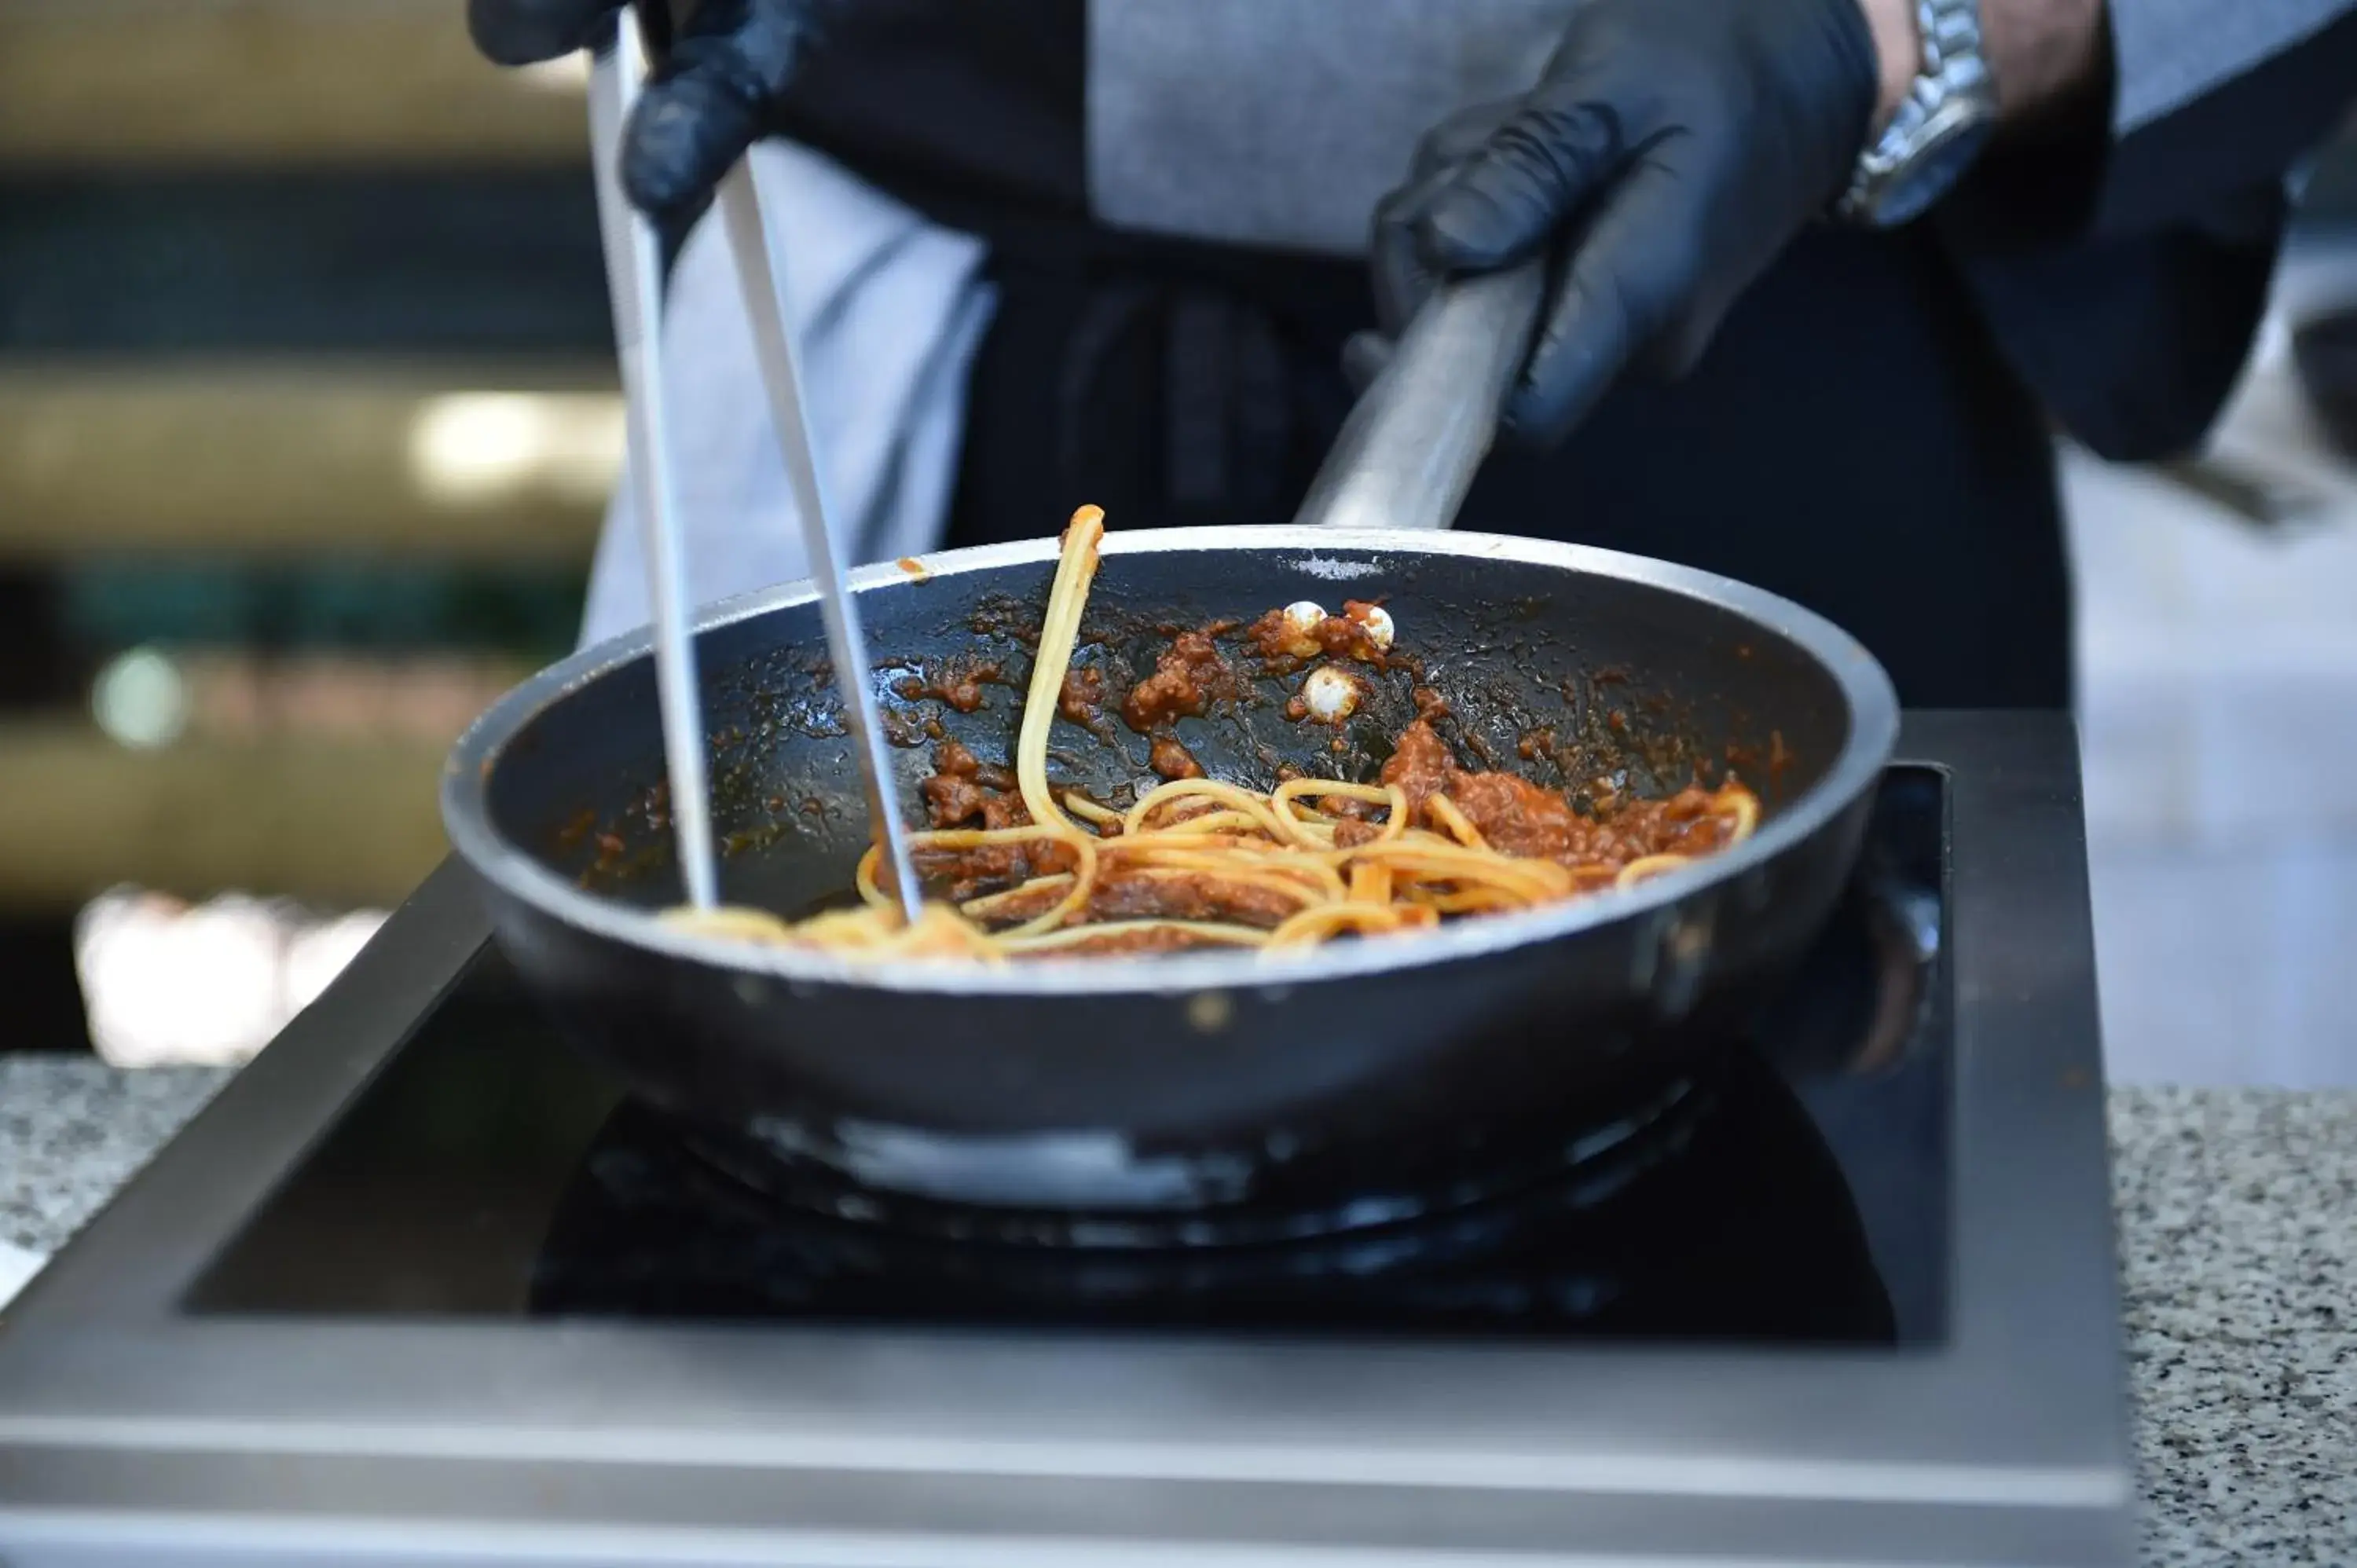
(1671, 151)
(709, 101)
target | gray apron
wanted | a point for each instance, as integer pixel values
(1187, 99)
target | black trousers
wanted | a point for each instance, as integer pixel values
(1854, 440)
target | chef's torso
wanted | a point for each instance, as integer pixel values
(937, 128)
(1273, 123)
(1172, 196)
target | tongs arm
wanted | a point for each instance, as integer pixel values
(634, 280)
(634, 273)
(847, 645)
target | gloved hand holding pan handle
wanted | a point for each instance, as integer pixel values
(1668, 154)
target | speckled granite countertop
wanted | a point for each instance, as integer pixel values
(2238, 1245)
(2238, 1236)
(73, 1130)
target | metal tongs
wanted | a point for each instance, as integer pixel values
(634, 277)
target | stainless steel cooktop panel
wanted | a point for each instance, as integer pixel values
(130, 1431)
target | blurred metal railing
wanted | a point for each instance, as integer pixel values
(109, 82)
(483, 463)
(281, 282)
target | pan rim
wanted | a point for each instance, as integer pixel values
(1872, 703)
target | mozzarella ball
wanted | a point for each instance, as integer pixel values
(1378, 622)
(1329, 695)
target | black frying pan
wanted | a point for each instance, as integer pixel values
(1197, 1080)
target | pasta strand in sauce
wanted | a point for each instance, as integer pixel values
(1199, 863)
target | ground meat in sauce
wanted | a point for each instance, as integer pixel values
(965, 792)
(1133, 897)
(1519, 818)
(1187, 898)
(1420, 765)
(958, 684)
(1082, 696)
(1172, 760)
(1189, 676)
(1687, 823)
(964, 873)
(1284, 647)
(1364, 810)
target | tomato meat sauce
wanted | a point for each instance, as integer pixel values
(1529, 822)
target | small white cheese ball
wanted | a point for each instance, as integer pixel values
(1378, 622)
(1304, 616)
(1329, 695)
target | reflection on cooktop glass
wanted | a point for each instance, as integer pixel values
(1792, 1188)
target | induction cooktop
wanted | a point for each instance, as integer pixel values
(424, 1283)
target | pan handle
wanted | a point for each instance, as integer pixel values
(1410, 449)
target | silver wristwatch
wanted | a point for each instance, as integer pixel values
(1939, 127)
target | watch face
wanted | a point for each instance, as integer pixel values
(1933, 171)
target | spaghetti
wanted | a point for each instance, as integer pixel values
(1199, 863)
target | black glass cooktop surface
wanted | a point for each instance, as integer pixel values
(1794, 1188)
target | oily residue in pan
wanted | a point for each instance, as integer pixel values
(1511, 698)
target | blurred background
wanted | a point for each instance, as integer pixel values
(306, 419)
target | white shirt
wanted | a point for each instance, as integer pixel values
(887, 310)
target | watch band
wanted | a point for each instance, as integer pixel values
(1953, 92)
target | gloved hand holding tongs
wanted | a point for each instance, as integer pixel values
(667, 144)
(710, 99)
